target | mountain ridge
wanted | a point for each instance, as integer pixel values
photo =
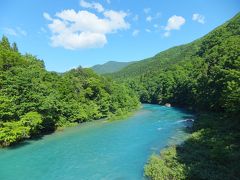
(164, 55)
(110, 67)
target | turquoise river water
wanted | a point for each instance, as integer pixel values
(98, 150)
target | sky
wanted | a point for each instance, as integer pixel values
(71, 33)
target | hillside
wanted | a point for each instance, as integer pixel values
(182, 75)
(34, 101)
(160, 61)
(110, 67)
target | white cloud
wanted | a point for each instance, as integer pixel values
(108, 1)
(166, 34)
(199, 18)
(72, 41)
(135, 32)
(175, 23)
(149, 19)
(146, 10)
(115, 20)
(15, 32)
(83, 29)
(93, 5)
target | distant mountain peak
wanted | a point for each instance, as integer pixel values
(110, 67)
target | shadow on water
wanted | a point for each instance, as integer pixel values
(18, 145)
(28, 141)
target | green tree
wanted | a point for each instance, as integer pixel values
(14, 47)
(5, 43)
(33, 120)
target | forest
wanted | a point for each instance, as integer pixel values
(34, 101)
(203, 76)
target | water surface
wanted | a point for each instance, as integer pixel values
(97, 150)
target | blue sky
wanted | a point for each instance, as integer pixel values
(69, 33)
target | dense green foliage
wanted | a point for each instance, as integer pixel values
(13, 131)
(165, 167)
(110, 67)
(212, 152)
(34, 101)
(203, 74)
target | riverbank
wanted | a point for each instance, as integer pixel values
(113, 117)
(211, 152)
(125, 115)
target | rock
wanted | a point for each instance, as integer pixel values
(168, 105)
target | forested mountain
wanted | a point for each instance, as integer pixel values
(183, 75)
(110, 67)
(34, 101)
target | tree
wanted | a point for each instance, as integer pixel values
(33, 120)
(5, 43)
(14, 47)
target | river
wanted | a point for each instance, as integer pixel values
(98, 150)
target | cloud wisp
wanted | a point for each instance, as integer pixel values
(15, 31)
(135, 32)
(149, 19)
(146, 10)
(198, 17)
(93, 5)
(135, 18)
